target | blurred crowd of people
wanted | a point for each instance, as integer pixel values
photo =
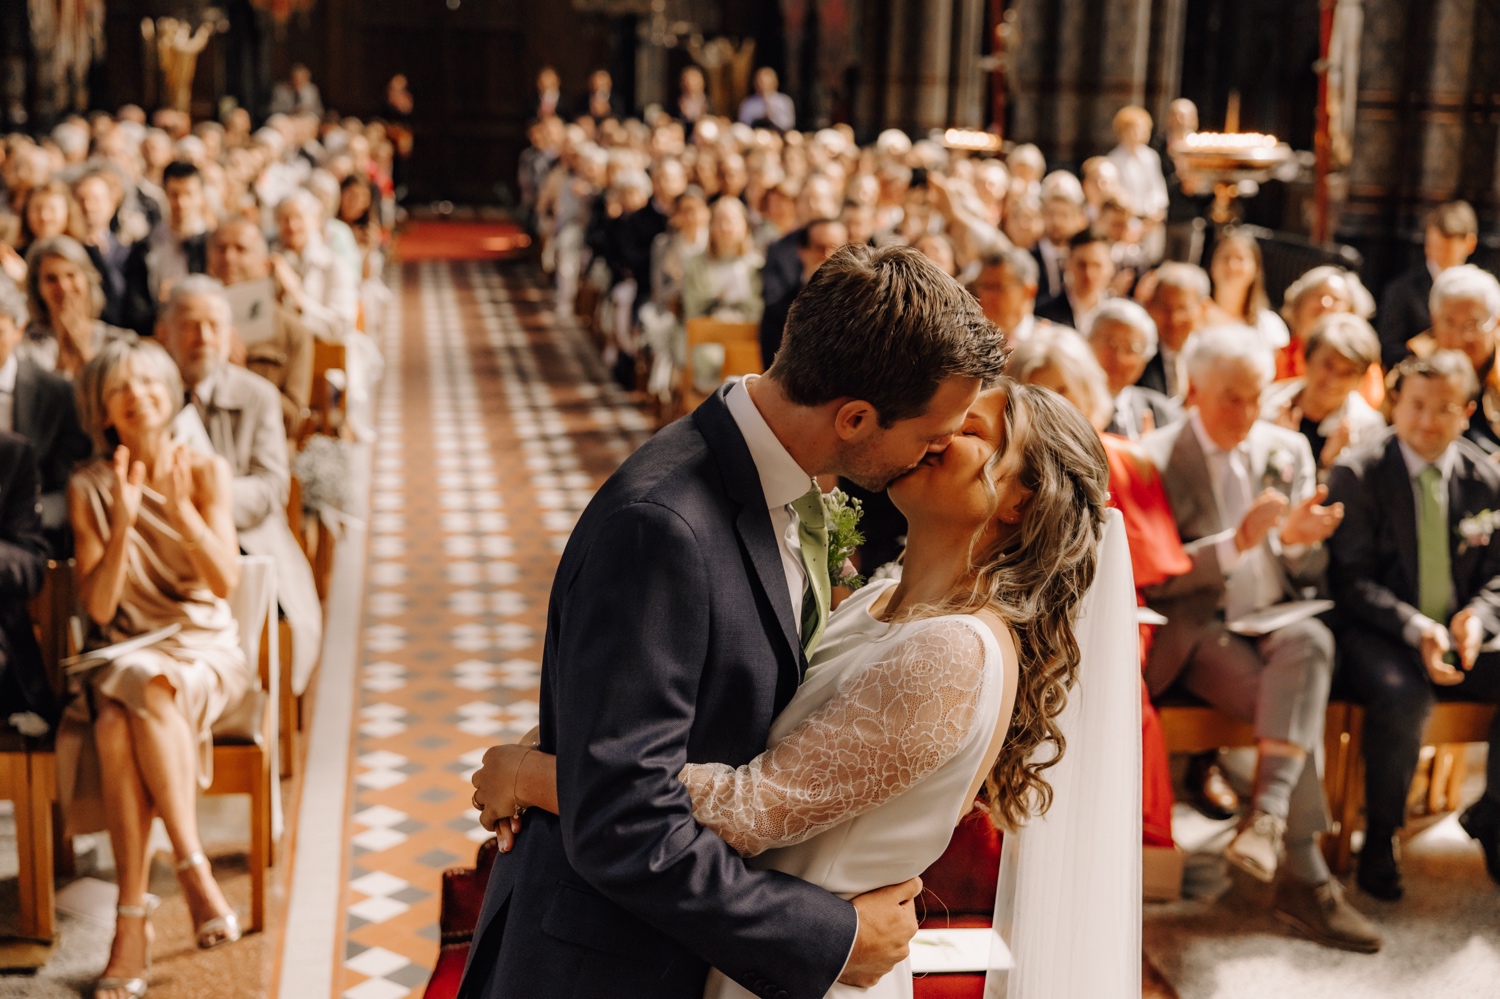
(1265, 452)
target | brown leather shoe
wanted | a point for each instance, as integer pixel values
(1323, 915)
(1208, 789)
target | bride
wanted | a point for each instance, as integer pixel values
(925, 689)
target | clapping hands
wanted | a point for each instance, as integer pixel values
(125, 492)
(1304, 523)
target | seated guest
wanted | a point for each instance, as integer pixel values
(115, 241)
(1023, 224)
(939, 249)
(1451, 237)
(816, 242)
(314, 284)
(1087, 275)
(1058, 359)
(237, 255)
(1324, 405)
(26, 700)
(1239, 279)
(1141, 179)
(692, 97)
(179, 245)
(1006, 288)
(724, 280)
(1322, 290)
(1465, 306)
(768, 105)
(1123, 338)
(49, 211)
(156, 547)
(66, 299)
(39, 406)
(1419, 597)
(1248, 508)
(1063, 217)
(237, 415)
(1177, 303)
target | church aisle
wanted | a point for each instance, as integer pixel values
(495, 424)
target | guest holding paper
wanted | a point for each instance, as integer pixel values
(156, 547)
(1250, 514)
(1418, 581)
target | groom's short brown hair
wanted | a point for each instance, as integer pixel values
(885, 326)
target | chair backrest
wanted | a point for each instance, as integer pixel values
(53, 612)
(740, 343)
(253, 604)
(330, 361)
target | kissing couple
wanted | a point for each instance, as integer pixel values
(734, 790)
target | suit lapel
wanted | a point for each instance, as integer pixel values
(1197, 499)
(753, 523)
(24, 421)
(1403, 506)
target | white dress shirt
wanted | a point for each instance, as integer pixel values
(783, 481)
(1250, 582)
(8, 392)
(1415, 466)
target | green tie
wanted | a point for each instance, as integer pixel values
(812, 531)
(1433, 566)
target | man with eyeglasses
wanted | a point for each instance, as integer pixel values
(1465, 304)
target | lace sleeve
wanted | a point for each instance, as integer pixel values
(886, 727)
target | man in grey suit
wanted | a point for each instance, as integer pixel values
(1245, 497)
(238, 415)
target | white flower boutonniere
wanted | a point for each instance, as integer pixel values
(1477, 529)
(842, 513)
(1281, 468)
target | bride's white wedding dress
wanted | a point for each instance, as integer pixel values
(871, 765)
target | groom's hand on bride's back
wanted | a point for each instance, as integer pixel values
(887, 922)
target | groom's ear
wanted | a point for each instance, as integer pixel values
(855, 419)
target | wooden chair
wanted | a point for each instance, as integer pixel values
(329, 400)
(244, 765)
(741, 344)
(1452, 724)
(28, 767)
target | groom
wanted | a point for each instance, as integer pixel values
(683, 610)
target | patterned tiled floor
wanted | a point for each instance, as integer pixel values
(495, 426)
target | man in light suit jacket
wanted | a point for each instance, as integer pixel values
(238, 415)
(1420, 603)
(678, 628)
(1245, 497)
(39, 406)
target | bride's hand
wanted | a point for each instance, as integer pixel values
(496, 785)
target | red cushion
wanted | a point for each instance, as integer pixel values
(944, 987)
(448, 974)
(962, 881)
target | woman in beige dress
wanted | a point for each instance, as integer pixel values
(156, 547)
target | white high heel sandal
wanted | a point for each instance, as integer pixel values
(219, 930)
(135, 988)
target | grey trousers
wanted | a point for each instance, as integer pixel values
(1280, 684)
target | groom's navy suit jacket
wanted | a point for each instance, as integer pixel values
(670, 640)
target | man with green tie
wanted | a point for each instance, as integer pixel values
(1418, 583)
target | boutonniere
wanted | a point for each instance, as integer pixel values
(842, 513)
(1281, 468)
(1477, 529)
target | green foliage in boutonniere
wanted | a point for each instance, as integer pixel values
(1281, 468)
(843, 514)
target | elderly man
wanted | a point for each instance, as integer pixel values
(1006, 288)
(237, 256)
(1421, 599)
(1178, 304)
(1086, 281)
(39, 406)
(1465, 304)
(1451, 237)
(1324, 405)
(1245, 497)
(237, 415)
(1124, 341)
(314, 283)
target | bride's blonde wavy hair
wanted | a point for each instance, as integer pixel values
(1035, 581)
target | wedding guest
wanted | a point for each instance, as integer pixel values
(1062, 219)
(817, 241)
(314, 283)
(1324, 405)
(1450, 238)
(179, 246)
(237, 415)
(1101, 184)
(26, 700)
(115, 241)
(1238, 272)
(724, 281)
(939, 249)
(600, 102)
(692, 97)
(1252, 518)
(1023, 224)
(1027, 166)
(1177, 302)
(237, 255)
(1324, 289)
(156, 547)
(49, 211)
(1124, 340)
(1465, 306)
(1087, 275)
(65, 297)
(39, 406)
(1421, 599)
(297, 94)
(1139, 166)
(686, 236)
(768, 105)
(1006, 289)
